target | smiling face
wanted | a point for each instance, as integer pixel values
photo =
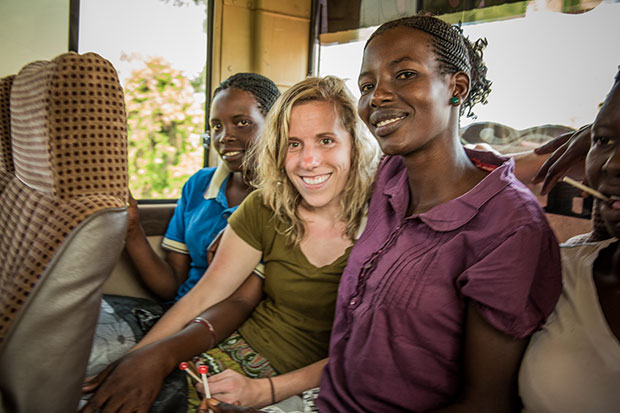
(405, 101)
(318, 159)
(603, 161)
(235, 122)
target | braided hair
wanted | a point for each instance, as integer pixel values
(263, 89)
(454, 53)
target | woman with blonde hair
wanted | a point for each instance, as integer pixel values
(315, 168)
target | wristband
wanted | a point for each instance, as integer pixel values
(207, 324)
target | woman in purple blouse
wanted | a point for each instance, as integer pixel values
(457, 266)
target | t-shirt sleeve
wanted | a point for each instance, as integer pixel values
(174, 239)
(250, 220)
(517, 284)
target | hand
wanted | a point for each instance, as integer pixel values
(130, 384)
(234, 388)
(134, 213)
(569, 154)
(216, 406)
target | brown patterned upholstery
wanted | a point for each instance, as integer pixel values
(62, 224)
(6, 158)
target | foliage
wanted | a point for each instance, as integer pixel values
(164, 123)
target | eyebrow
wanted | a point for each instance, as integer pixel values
(392, 63)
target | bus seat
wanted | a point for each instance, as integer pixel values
(7, 170)
(63, 220)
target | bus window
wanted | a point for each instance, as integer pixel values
(159, 49)
(544, 67)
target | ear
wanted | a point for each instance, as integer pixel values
(460, 85)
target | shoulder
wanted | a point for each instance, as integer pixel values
(254, 206)
(203, 175)
(511, 201)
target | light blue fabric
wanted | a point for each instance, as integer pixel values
(201, 213)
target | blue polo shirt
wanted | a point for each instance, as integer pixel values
(201, 213)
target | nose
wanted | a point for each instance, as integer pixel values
(381, 94)
(310, 158)
(612, 165)
(225, 136)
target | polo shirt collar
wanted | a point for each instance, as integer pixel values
(457, 212)
(219, 176)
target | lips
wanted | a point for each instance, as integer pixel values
(315, 180)
(386, 121)
(231, 153)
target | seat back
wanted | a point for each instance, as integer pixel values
(7, 170)
(63, 220)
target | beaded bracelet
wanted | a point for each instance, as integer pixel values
(207, 324)
(273, 392)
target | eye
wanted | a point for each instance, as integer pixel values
(292, 145)
(327, 141)
(405, 74)
(216, 126)
(604, 140)
(366, 87)
(243, 123)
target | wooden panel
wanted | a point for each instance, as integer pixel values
(281, 47)
(299, 8)
(236, 39)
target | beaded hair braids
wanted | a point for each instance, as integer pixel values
(455, 53)
(264, 90)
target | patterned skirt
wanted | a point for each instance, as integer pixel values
(233, 353)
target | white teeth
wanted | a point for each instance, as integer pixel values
(315, 180)
(388, 121)
(229, 154)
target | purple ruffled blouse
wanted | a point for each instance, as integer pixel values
(397, 338)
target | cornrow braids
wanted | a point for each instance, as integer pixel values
(264, 90)
(454, 52)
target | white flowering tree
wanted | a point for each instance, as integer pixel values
(164, 124)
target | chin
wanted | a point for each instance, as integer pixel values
(234, 166)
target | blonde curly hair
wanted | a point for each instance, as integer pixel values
(277, 190)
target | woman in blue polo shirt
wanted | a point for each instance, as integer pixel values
(240, 104)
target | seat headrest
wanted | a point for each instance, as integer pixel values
(69, 134)
(6, 158)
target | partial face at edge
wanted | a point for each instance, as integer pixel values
(603, 160)
(318, 159)
(235, 122)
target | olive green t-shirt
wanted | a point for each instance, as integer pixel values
(292, 325)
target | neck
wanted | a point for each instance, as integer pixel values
(238, 181)
(439, 172)
(327, 213)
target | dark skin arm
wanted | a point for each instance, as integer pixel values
(162, 277)
(491, 362)
(134, 381)
(568, 158)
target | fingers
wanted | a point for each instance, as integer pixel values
(217, 406)
(553, 144)
(544, 169)
(91, 383)
(131, 200)
(556, 172)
